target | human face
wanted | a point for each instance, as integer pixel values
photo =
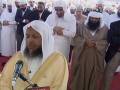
(59, 11)
(93, 23)
(31, 3)
(17, 4)
(9, 8)
(78, 13)
(33, 40)
(72, 11)
(41, 7)
(23, 6)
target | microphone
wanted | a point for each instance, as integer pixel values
(17, 71)
(18, 68)
(18, 74)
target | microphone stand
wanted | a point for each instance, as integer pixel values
(21, 76)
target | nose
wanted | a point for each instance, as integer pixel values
(58, 12)
(30, 40)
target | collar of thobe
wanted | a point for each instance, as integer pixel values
(34, 65)
(93, 32)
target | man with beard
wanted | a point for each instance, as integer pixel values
(64, 27)
(89, 53)
(22, 18)
(41, 13)
(39, 61)
(8, 41)
(72, 9)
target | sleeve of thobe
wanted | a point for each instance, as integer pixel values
(50, 21)
(57, 74)
(71, 30)
(79, 38)
(102, 44)
(79, 41)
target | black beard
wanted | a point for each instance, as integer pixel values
(23, 9)
(17, 6)
(118, 13)
(10, 10)
(93, 25)
(36, 53)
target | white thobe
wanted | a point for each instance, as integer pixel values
(68, 22)
(106, 17)
(34, 65)
(8, 41)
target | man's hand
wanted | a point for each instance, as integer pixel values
(58, 30)
(25, 21)
(5, 23)
(90, 43)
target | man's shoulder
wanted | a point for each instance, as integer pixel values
(115, 24)
(56, 57)
(47, 11)
(19, 10)
(51, 15)
(14, 59)
(55, 60)
(17, 55)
